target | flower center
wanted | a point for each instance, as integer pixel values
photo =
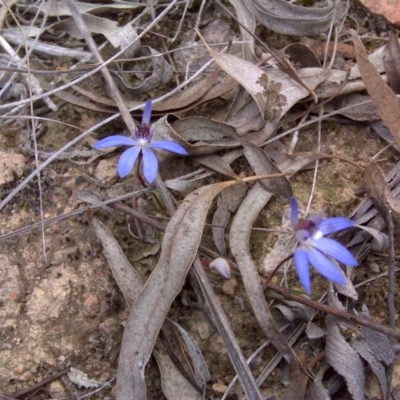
(143, 131)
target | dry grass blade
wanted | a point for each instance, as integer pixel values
(179, 249)
(239, 243)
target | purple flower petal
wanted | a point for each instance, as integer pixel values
(146, 113)
(294, 212)
(335, 250)
(127, 160)
(302, 266)
(150, 165)
(169, 146)
(115, 140)
(331, 225)
(325, 267)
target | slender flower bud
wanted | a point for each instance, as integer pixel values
(222, 267)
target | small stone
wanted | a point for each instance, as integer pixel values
(219, 388)
(91, 305)
(11, 163)
(19, 370)
(228, 287)
(106, 171)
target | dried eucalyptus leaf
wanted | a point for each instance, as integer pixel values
(201, 373)
(290, 19)
(362, 348)
(247, 20)
(220, 221)
(286, 311)
(246, 119)
(391, 60)
(161, 73)
(302, 54)
(174, 385)
(126, 277)
(378, 342)
(383, 98)
(314, 331)
(344, 359)
(198, 135)
(81, 379)
(347, 105)
(380, 240)
(251, 77)
(318, 391)
(150, 309)
(118, 36)
(216, 163)
(284, 245)
(239, 244)
(380, 129)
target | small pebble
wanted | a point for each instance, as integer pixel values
(219, 388)
(228, 287)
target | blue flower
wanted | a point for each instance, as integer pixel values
(140, 146)
(314, 247)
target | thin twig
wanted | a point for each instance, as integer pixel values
(334, 311)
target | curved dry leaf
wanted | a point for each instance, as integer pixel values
(126, 277)
(348, 288)
(344, 359)
(302, 54)
(380, 129)
(216, 163)
(251, 77)
(261, 165)
(355, 106)
(174, 385)
(246, 19)
(391, 61)
(201, 373)
(161, 73)
(318, 390)
(183, 100)
(313, 331)
(362, 348)
(246, 118)
(220, 221)
(383, 98)
(239, 235)
(290, 19)
(380, 240)
(198, 135)
(179, 248)
(118, 36)
(188, 182)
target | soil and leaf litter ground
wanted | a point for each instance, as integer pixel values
(104, 292)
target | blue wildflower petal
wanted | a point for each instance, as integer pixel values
(168, 146)
(127, 160)
(302, 266)
(336, 224)
(294, 212)
(302, 235)
(150, 165)
(335, 250)
(325, 267)
(146, 113)
(115, 140)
